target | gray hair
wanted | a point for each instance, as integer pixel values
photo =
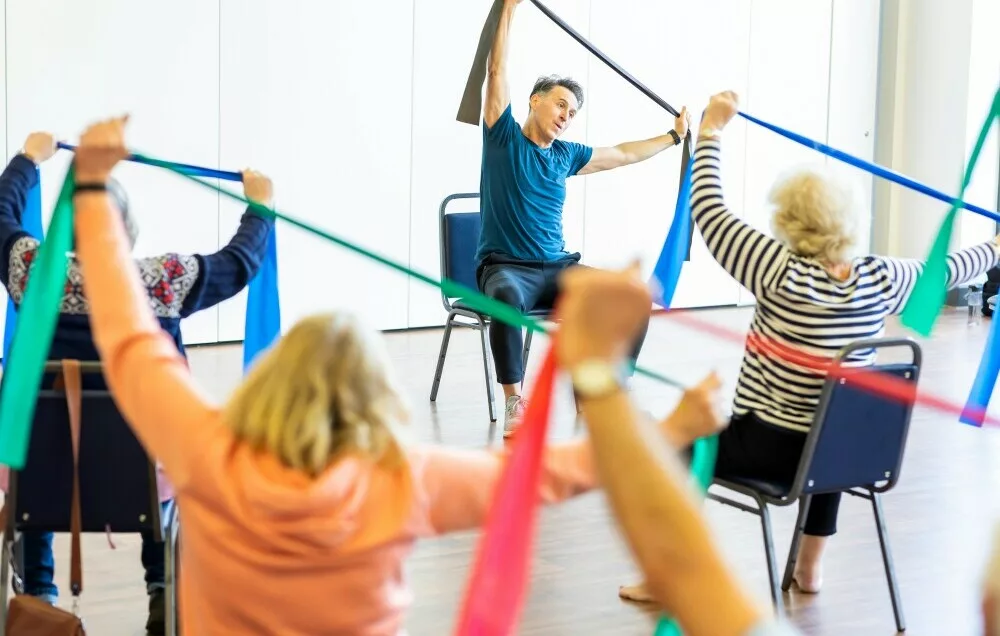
(545, 84)
(120, 197)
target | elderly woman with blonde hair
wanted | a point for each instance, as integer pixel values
(300, 496)
(813, 297)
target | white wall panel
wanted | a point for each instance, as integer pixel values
(74, 63)
(350, 108)
(984, 80)
(318, 96)
(789, 86)
(447, 154)
(629, 210)
(853, 100)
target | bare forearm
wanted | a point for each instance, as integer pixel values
(659, 514)
(497, 92)
(636, 151)
(498, 54)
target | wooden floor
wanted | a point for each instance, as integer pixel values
(939, 517)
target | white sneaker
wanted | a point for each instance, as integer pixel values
(513, 414)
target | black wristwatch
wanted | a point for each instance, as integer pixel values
(677, 138)
(89, 187)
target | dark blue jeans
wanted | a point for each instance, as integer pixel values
(39, 562)
(527, 286)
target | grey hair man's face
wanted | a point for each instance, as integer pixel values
(554, 110)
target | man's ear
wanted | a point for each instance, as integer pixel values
(533, 101)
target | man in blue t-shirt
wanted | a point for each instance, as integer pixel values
(523, 188)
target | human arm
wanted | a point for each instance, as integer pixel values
(754, 259)
(222, 274)
(663, 525)
(497, 88)
(150, 381)
(963, 266)
(991, 589)
(652, 500)
(17, 180)
(630, 152)
(456, 487)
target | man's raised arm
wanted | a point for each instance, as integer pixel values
(497, 91)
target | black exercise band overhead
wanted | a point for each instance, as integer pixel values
(470, 110)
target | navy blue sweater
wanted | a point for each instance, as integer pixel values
(178, 284)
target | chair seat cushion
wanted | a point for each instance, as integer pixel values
(772, 489)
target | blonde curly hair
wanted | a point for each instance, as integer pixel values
(814, 214)
(324, 391)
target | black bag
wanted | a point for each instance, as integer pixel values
(990, 289)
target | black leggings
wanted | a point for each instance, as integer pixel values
(750, 447)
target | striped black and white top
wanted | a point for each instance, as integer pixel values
(799, 305)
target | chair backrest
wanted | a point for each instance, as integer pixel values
(459, 234)
(858, 437)
(117, 479)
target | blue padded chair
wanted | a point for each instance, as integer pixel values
(459, 241)
(855, 445)
(118, 490)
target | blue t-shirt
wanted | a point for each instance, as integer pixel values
(522, 190)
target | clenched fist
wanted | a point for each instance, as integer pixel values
(699, 413)
(258, 188)
(39, 146)
(720, 110)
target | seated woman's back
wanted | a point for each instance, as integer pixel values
(811, 299)
(265, 545)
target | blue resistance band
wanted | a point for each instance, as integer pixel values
(867, 166)
(31, 221)
(194, 171)
(263, 321)
(263, 314)
(676, 248)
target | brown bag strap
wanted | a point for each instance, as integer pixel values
(74, 402)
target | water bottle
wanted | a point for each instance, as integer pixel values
(975, 298)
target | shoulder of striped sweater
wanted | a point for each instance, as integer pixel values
(993, 247)
(869, 263)
(876, 266)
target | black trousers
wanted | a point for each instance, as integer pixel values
(750, 447)
(527, 286)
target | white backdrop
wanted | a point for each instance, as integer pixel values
(350, 107)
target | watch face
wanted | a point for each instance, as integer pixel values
(594, 378)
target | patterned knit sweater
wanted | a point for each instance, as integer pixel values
(177, 285)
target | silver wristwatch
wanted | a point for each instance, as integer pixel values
(596, 379)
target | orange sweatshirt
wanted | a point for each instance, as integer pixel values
(265, 549)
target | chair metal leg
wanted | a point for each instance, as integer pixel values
(5, 556)
(793, 550)
(526, 350)
(487, 365)
(171, 561)
(772, 563)
(890, 569)
(441, 356)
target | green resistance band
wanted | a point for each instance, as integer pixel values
(33, 337)
(473, 298)
(705, 450)
(42, 300)
(928, 295)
